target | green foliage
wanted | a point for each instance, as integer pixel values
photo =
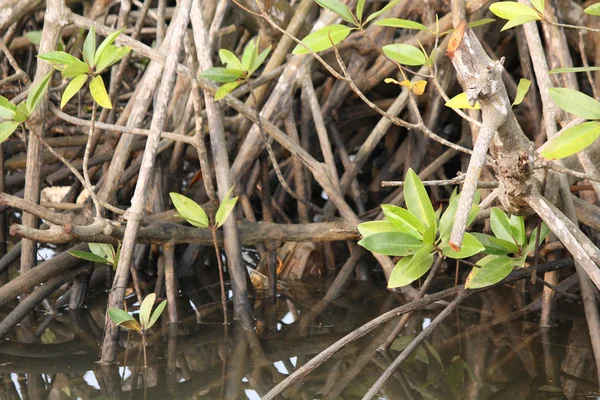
(195, 214)
(573, 69)
(95, 61)
(147, 318)
(225, 208)
(405, 54)
(102, 253)
(413, 234)
(594, 9)
(575, 102)
(236, 72)
(401, 23)
(516, 13)
(380, 12)
(339, 8)
(492, 269)
(522, 90)
(323, 39)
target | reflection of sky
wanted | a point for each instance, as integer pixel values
(45, 253)
(91, 380)
(426, 322)
(15, 379)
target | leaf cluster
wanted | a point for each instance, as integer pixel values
(147, 318)
(95, 61)
(236, 71)
(102, 253)
(193, 213)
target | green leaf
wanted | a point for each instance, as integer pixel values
(573, 69)
(98, 92)
(110, 56)
(105, 43)
(222, 75)
(404, 220)
(7, 109)
(511, 10)
(473, 24)
(21, 113)
(103, 250)
(72, 88)
(392, 243)
(84, 255)
(417, 200)
(323, 39)
(575, 102)
(6, 129)
(571, 141)
(538, 4)
(249, 55)
(429, 235)
(409, 269)
(59, 58)
(225, 208)
(518, 21)
(74, 69)
(259, 60)
(190, 210)
(470, 246)
(371, 227)
(496, 246)
(89, 47)
(522, 90)
(517, 224)
(360, 6)
(225, 89)
(545, 231)
(594, 9)
(501, 225)
(35, 37)
(493, 270)
(401, 23)
(146, 310)
(123, 319)
(384, 9)
(404, 54)
(36, 94)
(230, 60)
(339, 8)
(461, 101)
(156, 314)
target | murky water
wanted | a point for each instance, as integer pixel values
(486, 350)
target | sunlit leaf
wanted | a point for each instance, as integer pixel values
(230, 60)
(492, 270)
(259, 60)
(225, 208)
(337, 7)
(85, 255)
(371, 227)
(517, 224)
(384, 9)
(518, 21)
(404, 220)
(7, 109)
(73, 88)
(110, 56)
(7, 128)
(146, 310)
(392, 243)
(571, 141)
(470, 246)
(223, 75)
(501, 225)
(461, 101)
(74, 69)
(98, 92)
(522, 90)
(225, 89)
(103, 250)
(249, 55)
(359, 9)
(538, 4)
(594, 9)
(573, 69)
(511, 10)
(409, 269)
(21, 113)
(545, 231)
(36, 94)
(59, 58)
(418, 87)
(123, 319)
(156, 314)
(405, 83)
(89, 47)
(575, 102)
(417, 200)
(190, 210)
(323, 39)
(105, 43)
(404, 54)
(429, 235)
(401, 23)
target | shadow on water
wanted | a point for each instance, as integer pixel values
(487, 350)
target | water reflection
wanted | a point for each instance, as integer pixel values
(487, 350)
